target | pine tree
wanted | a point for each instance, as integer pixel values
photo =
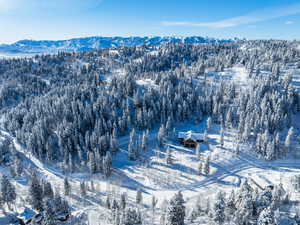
(123, 201)
(205, 136)
(206, 166)
(218, 211)
(139, 197)
(200, 168)
(176, 210)
(49, 213)
(230, 206)
(222, 137)
(115, 205)
(82, 189)
(114, 145)
(67, 187)
(36, 193)
(132, 217)
(8, 191)
(208, 123)
(107, 164)
(47, 190)
(288, 140)
(92, 163)
(107, 202)
(266, 217)
(161, 135)
(169, 159)
(198, 151)
(19, 167)
(144, 144)
(132, 146)
(153, 202)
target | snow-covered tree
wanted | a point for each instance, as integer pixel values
(123, 201)
(206, 166)
(47, 190)
(161, 136)
(218, 210)
(176, 210)
(132, 147)
(198, 151)
(222, 137)
(67, 187)
(200, 168)
(36, 193)
(139, 197)
(169, 159)
(288, 140)
(266, 217)
(208, 123)
(8, 191)
(107, 164)
(132, 217)
(145, 138)
(83, 192)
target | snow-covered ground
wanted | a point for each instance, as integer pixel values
(154, 177)
(236, 74)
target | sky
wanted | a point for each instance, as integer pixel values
(65, 19)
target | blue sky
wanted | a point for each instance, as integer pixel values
(63, 19)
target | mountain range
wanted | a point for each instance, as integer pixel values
(31, 47)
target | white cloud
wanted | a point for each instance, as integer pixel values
(289, 22)
(253, 17)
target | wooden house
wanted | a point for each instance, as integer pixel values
(190, 139)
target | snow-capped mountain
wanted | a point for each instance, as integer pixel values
(93, 43)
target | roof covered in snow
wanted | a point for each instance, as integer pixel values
(190, 135)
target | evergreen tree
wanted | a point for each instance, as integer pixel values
(208, 123)
(206, 166)
(19, 167)
(8, 191)
(200, 168)
(107, 164)
(82, 189)
(169, 159)
(161, 135)
(92, 163)
(132, 217)
(36, 193)
(288, 140)
(47, 190)
(222, 137)
(132, 147)
(49, 213)
(218, 211)
(230, 206)
(205, 136)
(67, 187)
(139, 197)
(123, 201)
(266, 217)
(144, 144)
(107, 202)
(176, 210)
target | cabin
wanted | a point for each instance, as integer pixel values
(190, 139)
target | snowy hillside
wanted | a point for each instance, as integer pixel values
(92, 137)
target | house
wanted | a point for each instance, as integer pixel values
(190, 138)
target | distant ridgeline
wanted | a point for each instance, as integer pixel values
(94, 43)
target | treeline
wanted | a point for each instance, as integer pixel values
(74, 106)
